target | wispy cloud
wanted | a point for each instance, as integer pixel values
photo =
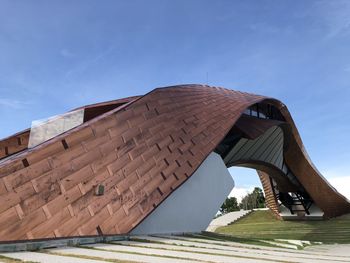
(89, 62)
(13, 104)
(336, 16)
(264, 28)
(67, 53)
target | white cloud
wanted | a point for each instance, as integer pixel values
(240, 192)
(342, 184)
(338, 177)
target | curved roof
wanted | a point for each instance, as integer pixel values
(140, 152)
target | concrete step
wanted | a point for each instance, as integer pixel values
(226, 219)
(45, 258)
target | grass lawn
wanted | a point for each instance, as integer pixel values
(263, 225)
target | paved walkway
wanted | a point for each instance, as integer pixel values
(172, 249)
(45, 258)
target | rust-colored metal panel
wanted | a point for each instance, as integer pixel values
(14, 144)
(253, 127)
(139, 152)
(326, 197)
(270, 197)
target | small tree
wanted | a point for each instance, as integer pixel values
(253, 200)
(259, 198)
(229, 205)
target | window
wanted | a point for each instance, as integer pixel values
(45, 129)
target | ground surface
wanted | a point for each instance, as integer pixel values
(172, 249)
(263, 225)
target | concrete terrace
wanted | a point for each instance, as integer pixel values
(181, 249)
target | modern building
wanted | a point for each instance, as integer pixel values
(155, 164)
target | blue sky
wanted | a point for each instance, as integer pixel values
(57, 55)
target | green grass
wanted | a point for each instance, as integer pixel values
(88, 257)
(263, 225)
(12, 260)
(135, 253)
(217, 237)
(179, 249)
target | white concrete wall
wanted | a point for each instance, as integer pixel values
(193, 205)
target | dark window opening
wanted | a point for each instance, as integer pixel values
(230, 140)
(93, 112)
(264, 111)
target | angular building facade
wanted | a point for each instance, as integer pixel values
(155, 164)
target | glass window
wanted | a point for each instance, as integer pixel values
(45, 129)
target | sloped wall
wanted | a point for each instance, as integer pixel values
(194, 204)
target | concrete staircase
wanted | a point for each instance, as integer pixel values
(226, 219)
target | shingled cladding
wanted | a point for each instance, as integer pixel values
(138, 152)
